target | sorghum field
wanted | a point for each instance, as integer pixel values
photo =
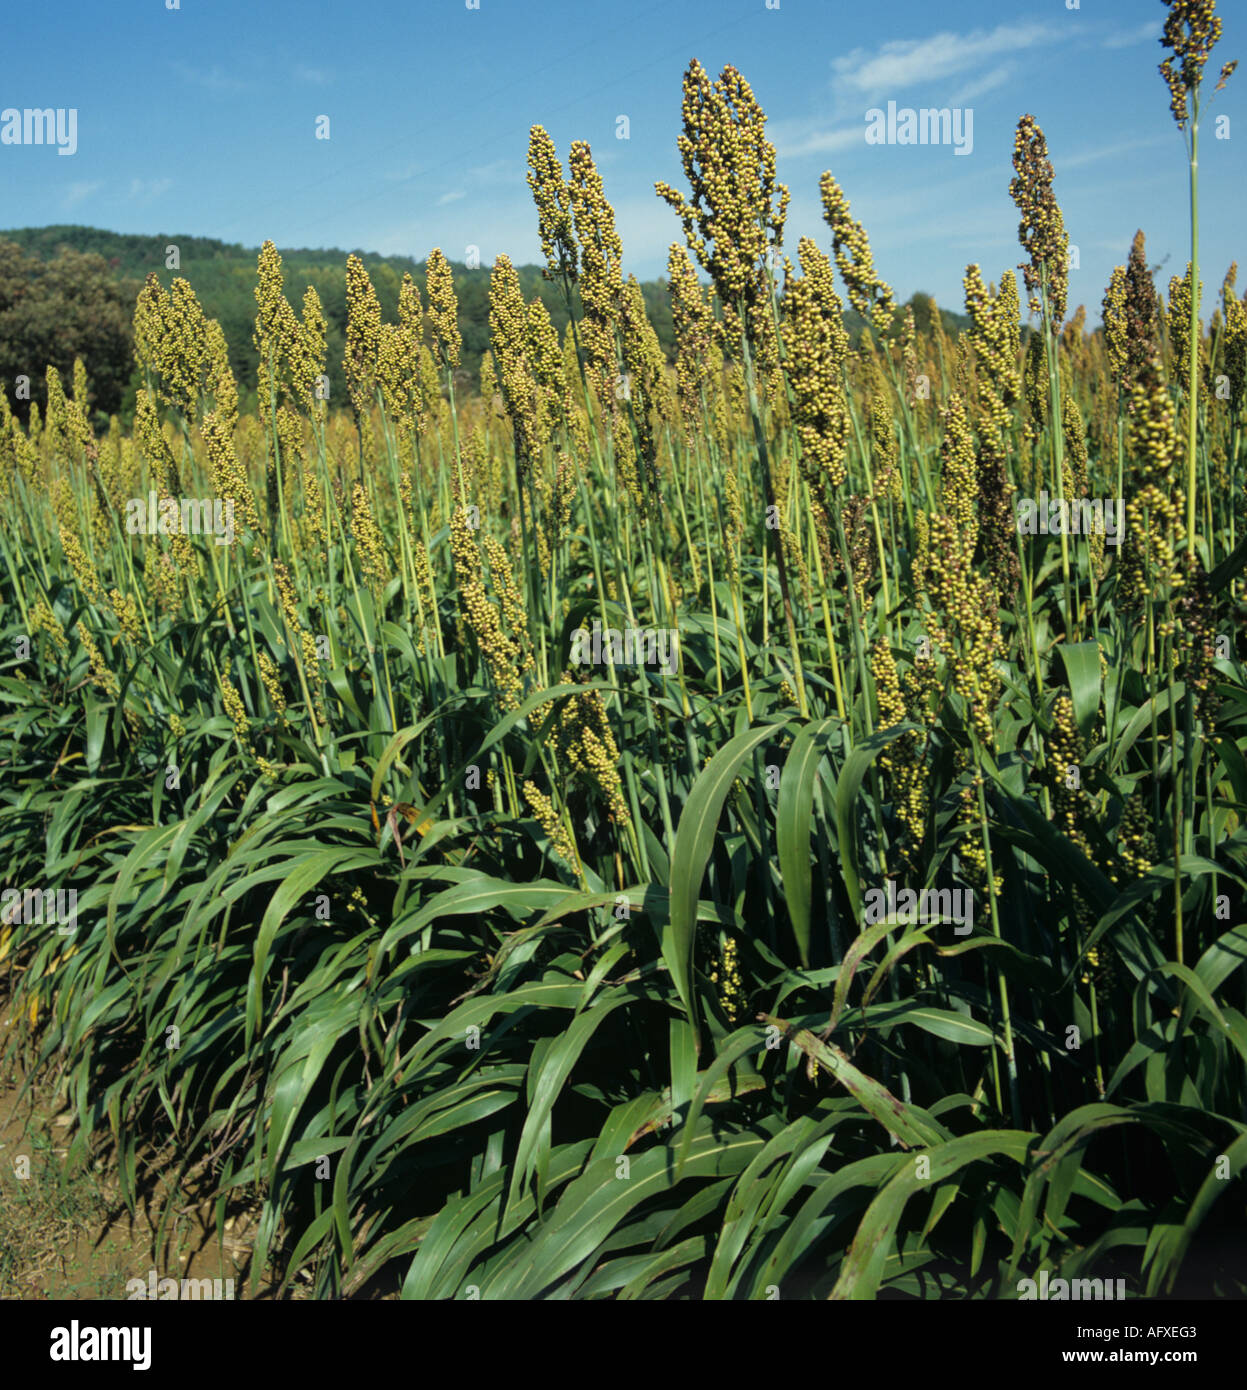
(654, 829)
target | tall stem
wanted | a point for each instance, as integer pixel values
(1193, 376)
(763, 456)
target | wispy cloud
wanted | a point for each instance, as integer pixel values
(864, 76)
(792, 139)
(902, 63)
(80, 191)
(1129, 37)
(315, 77)
(213, 79)
(452, 197)
(1108, 152)
(499, 171)
(497, 174)
(147, 189)
(987, 82)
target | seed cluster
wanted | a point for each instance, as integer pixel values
(1192, 28)
(1042, 228)
(817, 349)
(363, 335)
(1178, 320)
(554, 206)
(735, 218)
(693, 320)
(726, 978)
(443, 310)
(171, 340)
(868, 294)
(996, 340)
(1154, 510)
(601, 276)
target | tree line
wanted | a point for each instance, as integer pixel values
(69, 291)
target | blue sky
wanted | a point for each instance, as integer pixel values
(201, 120)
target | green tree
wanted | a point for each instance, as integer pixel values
(53, 311)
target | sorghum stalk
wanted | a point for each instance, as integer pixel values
(759, 435)
(1001, 983)
(1192, 29)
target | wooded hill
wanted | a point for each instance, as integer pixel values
(224, 278)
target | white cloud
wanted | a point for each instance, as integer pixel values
(1150, 30)
(496, 174)
(452, 197)
(315, 77)
(1107, 152)
(499, 171)
(80, 191)
(902, 63)
(792, 139)
(213, 79)
(988, 82)
(147, 189)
